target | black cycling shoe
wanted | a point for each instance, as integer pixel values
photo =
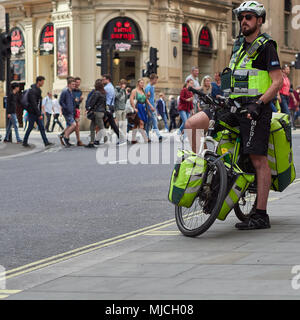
(255, 221)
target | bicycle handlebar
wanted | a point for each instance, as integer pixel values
(221, 102)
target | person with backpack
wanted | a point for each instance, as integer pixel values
(32, 103)
(110, 110)
(97, 104)
(11, 112)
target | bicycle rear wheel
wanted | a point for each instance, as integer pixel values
(196, 220)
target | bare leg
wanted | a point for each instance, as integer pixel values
(198, 121)
(77, 131)
(69, 130)
(263, 174)
(142, 131)
(134, 132)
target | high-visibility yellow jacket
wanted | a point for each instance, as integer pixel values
(247, 81)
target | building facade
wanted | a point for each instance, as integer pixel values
(57, 38)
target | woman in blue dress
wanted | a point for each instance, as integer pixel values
(139, 102)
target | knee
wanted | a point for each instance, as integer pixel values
(188, 124)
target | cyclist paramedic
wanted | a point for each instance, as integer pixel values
(255, 79)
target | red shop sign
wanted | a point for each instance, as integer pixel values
(121, 28)
(186, 35)
(17, 41)
(205, 39)
(47, 39)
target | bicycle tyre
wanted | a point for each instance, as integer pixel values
(243, 211)
(219, 190)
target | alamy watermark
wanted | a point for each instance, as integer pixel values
(2, 278)
(296, 18)
(144, 153)
(296, 279)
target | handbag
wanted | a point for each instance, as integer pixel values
(133, 118)
(128, 107)
(90, 114)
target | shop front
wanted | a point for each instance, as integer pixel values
(122, 43)
(46, 56)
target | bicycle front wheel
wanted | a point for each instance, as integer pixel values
(196, 220)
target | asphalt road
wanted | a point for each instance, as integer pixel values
(53, 202)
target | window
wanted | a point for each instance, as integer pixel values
(288, 5)
(287, 20)
(286, 29)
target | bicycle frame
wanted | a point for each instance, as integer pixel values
(241, 180)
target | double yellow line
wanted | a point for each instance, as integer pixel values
(86, 249)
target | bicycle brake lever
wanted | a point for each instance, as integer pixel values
(233, 109)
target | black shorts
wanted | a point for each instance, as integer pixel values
(254, 134)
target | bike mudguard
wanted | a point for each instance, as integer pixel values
(238, 182)
(280, 152)
(187, 178)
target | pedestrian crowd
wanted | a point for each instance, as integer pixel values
(123, 108)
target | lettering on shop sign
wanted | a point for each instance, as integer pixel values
(123, 31)
(205, 38)
(47, 39)
(121, 28)
(186, 35)
(17, 41)
(122, 46)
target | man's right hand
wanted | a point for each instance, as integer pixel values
(40, 117)
(8, 116)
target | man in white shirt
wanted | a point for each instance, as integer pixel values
(47, 108)
(56, 113)
(194, 76)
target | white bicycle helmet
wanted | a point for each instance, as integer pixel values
(252, 6)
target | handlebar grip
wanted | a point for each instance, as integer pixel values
(199, 93)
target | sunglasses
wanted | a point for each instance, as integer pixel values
(248, 17)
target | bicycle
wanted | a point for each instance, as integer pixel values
(223, 168)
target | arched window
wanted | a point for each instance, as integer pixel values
(186, 36)
(205, 39)
(47, 39)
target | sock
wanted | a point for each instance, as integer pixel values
(262, 212)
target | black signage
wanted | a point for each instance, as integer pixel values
(121, 29)
(47, 39)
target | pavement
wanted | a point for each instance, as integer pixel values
(158, 262)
